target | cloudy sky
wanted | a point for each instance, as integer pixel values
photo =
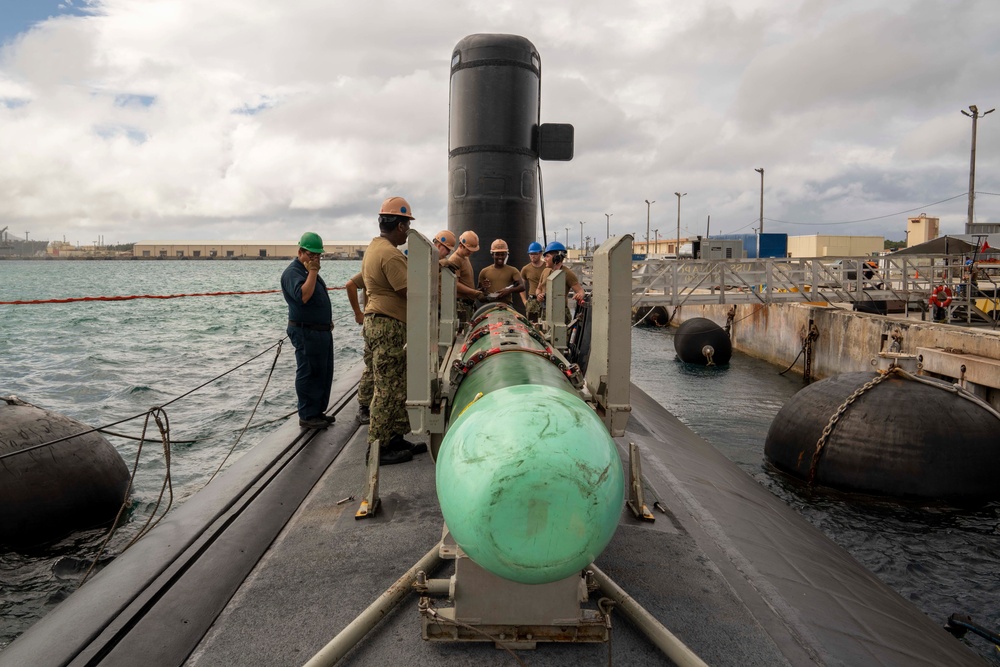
(186, 119)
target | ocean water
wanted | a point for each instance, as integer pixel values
(943, 559)
(100, 362)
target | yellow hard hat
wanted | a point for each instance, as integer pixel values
(470, 240)
(396, 206)
(446, 238)
(499, 246)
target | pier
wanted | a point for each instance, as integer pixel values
(880, 284)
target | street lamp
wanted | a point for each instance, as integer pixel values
(677, 250)
(582, 223)
(567, 237)
(648, 204)
(760, 170)
(608, 231)
(975, 115)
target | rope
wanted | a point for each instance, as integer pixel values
(165, 437)
(164, 427)
(122, 421)
(806, 342)
(141, 296)
(252, 413)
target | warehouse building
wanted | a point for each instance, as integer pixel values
(240, 249)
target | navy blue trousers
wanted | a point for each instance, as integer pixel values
(314, 369)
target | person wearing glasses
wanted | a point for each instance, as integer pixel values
(310, 328)
(383, 270)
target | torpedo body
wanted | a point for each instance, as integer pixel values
(529, 479)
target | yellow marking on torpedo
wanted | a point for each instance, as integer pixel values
(478, 396)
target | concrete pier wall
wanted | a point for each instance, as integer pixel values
(848, 340)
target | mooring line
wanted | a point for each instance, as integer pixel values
(130, 297)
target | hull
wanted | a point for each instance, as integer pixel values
(264, 566)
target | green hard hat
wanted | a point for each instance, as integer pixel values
(311, 241)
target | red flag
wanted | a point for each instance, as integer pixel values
(986, 245)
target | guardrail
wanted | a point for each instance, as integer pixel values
(905, 280)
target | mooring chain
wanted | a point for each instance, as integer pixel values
(825, 436)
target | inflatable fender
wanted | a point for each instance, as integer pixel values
(48, 492)
(702, 341)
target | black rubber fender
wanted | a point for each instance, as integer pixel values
(694, 335)
(46, 493)
(900, 438)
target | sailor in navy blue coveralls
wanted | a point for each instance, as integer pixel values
(310, 330)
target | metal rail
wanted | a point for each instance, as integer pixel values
(905, 279)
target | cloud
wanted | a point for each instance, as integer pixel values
(253, 119)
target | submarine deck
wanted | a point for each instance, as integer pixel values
(264, 567)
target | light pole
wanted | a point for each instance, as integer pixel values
(760, 170)
(677, 250)
(608, 232)
(648, 204)
(656, 235)
(975, 115)
(567, 237)
(582, 223)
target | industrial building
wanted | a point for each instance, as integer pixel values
(819, 245)
(240, 249)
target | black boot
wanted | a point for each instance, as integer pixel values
(398, 442)
(364, 416)
(391, 454)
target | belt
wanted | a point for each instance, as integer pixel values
(387, 317)
(315, 326)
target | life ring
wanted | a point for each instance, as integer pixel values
(936, 298)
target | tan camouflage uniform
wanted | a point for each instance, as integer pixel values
(533, 309)
(366, 388)
(385, 337)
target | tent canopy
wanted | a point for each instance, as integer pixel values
(943, 245)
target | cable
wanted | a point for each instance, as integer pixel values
(878, 217)
(139, 296)
(252, 413)
(122, 421)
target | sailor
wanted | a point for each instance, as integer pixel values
(365, 387)
(310, 328)
(468, 243)
(499, 280)
(555, 253)
(445, 242)
(530, 273)
(383, 271)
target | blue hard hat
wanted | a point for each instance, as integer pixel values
(554, 246)
(534, 246)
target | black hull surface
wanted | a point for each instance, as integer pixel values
(264, 567)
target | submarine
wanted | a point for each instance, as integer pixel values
(305, 551)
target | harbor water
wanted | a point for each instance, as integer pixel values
(102, 361)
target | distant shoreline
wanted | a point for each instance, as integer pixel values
(166, 259)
